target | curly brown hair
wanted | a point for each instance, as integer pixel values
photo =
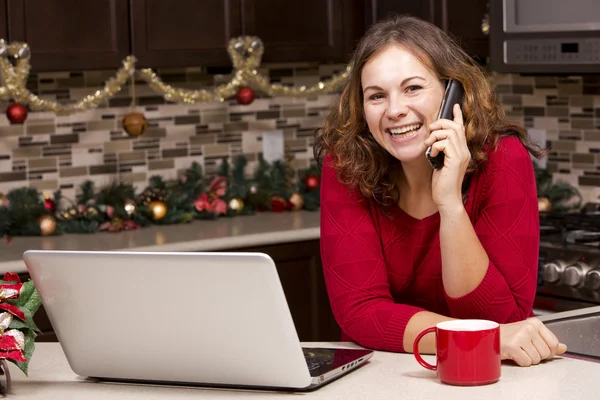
(359, 160)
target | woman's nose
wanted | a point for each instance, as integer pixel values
(397, 107)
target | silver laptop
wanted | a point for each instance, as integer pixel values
(214, 319)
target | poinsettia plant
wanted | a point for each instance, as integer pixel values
(19, 301)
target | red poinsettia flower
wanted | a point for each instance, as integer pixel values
(12, 341)
(212, 201)
(218, 186)
(215, 205)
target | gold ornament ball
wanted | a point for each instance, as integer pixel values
(135, 124)
(236, 204)
(297, 201)
(130, 207)
(47, 225)
(544, 204)
(159, 210)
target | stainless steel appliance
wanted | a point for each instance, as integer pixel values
(545, 36)
(569, 263)
(579, 330)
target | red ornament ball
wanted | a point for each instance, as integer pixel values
(311, 182)
(50, 205)
(245, 96)
(16, 113)
(278, 204)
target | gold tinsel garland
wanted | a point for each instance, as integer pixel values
(14, 80)
(245, 52)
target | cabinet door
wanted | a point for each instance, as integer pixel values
(376, 10)
(185, 32)
(3, 21)
(67, 35)
(462, 19)
(307, 30)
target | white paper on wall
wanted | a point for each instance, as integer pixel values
(272, 145)
(539, 137)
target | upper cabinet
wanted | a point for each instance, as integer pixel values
(3, 20)
(70, 34)
(184, 33)
(197, 34)
(461, 18)
(376, 10)
(307, 30)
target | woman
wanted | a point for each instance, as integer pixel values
(405, 246)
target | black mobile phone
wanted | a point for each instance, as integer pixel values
(454, 94)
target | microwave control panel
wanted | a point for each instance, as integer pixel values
(552, 51)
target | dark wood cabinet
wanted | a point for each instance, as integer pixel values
(3, 21)
(308, 30)
(68, 35)
(375, 10)
(185, 33)
(71, 34)
(461, 18)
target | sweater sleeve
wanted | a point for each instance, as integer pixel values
(508, 229)
(355, 271)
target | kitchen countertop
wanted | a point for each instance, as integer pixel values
(386, 376)
(201, 235)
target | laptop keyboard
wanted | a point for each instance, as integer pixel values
(314, 364)
(316, 358)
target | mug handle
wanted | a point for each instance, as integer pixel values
(416, 349)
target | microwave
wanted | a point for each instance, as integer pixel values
(545, 36)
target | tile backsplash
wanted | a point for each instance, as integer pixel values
(50, 152)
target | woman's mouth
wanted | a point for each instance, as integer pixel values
(404, 132)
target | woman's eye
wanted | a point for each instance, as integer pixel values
(413, 88)
(376, 96)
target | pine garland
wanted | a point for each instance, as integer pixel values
(118, 207)
(562, 196)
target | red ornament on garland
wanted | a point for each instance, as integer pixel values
(278, 204)
(311, 182)
(50, 205)
(16, 113)
(245, 96)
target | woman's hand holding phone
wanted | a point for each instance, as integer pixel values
(448, 136)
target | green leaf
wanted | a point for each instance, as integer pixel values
(29, 324)
(29, 302)
(27, 351)
(28, 299)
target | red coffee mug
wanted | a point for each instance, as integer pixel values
(467, 352)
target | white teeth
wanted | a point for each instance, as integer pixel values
(405, 129)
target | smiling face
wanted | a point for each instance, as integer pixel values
(402, 98)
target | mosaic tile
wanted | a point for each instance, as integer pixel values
(64, 150)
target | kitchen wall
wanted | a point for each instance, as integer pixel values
(49, 152)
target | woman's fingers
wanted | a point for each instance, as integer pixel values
(439, 135)
(458, 115)
(519, 356)
(444, 146)
(532, 352)
(529, 342)
(542, 347)
(551, 340)
(455, 125)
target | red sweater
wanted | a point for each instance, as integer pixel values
(381, 270)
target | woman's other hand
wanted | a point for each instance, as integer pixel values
(449, 137)
(529, 342)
